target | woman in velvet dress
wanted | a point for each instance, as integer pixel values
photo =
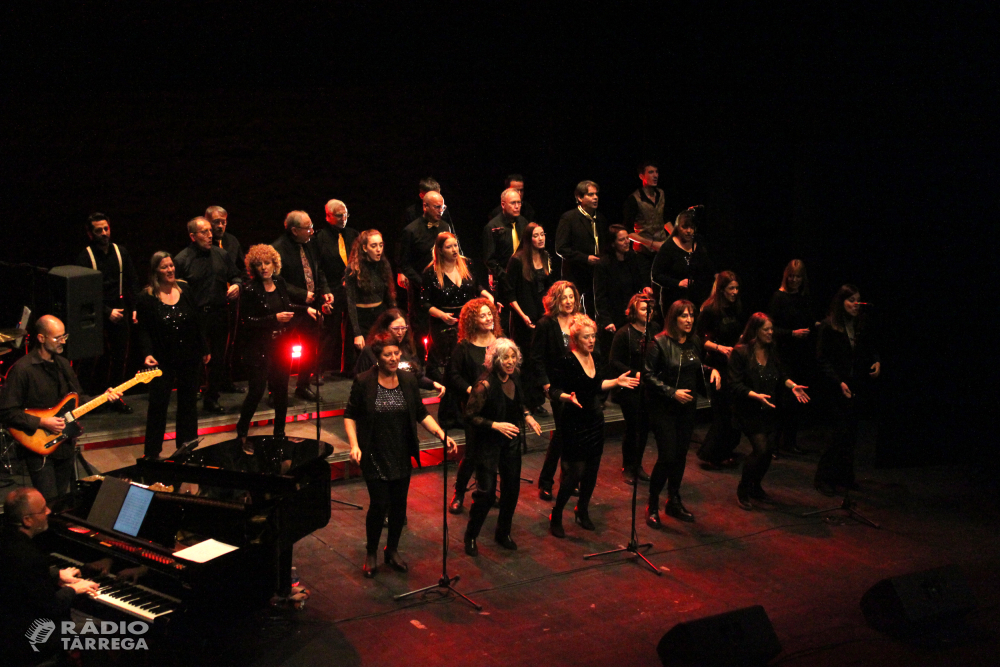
(756, 375)
(527, 280)
(496, 414)
(626, 357)
(848, 362)
(794, 319)
(368, 284)
(720, 325)
(577, 384)
(478, 328)
(265, 312)
(682, 266)
(673, 372)
(171, 336)
(381, 420)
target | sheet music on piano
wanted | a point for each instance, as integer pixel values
(204, 551)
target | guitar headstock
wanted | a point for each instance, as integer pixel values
(147, 376)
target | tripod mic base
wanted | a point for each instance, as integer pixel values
(633, 549)
(443, 584)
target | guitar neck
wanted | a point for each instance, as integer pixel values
(103, 398)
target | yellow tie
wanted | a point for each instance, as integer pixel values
(513, 231)
(343, 248)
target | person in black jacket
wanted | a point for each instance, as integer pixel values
(381, 420)
(617, 278)
(478, 327)
(756, 375)
(847, 361)
(496, 414)
(502, 236)
(550, 344)
(794, 319)
(223, 238)
(171, 336)
(626, 357)
(581, 234)
(673, 372)
(367, 284)
(267, 312)
(526, 281)
(719, 326)
(334, 241)
(682, 267)
(306, 284)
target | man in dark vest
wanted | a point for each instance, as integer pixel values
(643, 212)
(222, 238)
(334, 241)
(516, 182)
(581, 234)
(115, 264)
(501, 237)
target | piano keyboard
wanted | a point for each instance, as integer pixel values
(133, 599)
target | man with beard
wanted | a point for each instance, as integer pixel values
(581, 234)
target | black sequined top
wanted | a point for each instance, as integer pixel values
(389, 457)
(171, 333)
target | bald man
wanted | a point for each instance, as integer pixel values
(41, 379)
(334, 240)
(502, 236)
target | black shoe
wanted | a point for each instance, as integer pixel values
(653, 517)
(121, 407)
(743, 498)
(247, 445)
(456, 503)
(730, 462)
(506, 542)
(371, 565)
(393, 560)
(760, 494)
(643, 475)
(306, 394)
(555, 525)
(628, 476)
(826, 488)
(233, 389)
(583, 520)
(471, 548)
(676, 509)
(540, 411)
(213, 407)
(545, 493)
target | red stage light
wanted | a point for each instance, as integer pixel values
(296, 351)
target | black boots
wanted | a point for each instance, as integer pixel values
(676, 509)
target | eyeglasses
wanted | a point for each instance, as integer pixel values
(307, 229)
(398, 329)
(203, 232)
(60, 339)
(343, 216)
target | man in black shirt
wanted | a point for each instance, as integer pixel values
(581, 234)
(416, 209)
(334, 241)
(41, 379)
(214, 281)
(516, 182)
(502, 235)
(306, 283)
(29, 588)
(115, 264)
(219, 218)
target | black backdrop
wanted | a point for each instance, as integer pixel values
(860, 139)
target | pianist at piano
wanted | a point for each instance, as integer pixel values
(29, 588)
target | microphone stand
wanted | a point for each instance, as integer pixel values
(633, 544)
(848, 506)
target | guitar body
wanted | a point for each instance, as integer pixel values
(41, 441)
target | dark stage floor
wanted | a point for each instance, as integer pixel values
(545, 605)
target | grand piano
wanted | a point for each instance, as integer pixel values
(261, 503)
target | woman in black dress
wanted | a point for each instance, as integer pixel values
(794, 319)
(682, 266)
(719, 326)
(478, 328)
(626, 357)
(673, 372)
(527, 280)
(847, 362)
(577, 384)
(381, 423)
(447, 286)
(367, 284)
(171, 336)
(617, 278)
(756, 375)
(550, 344)
(265, 312)
(496, 414)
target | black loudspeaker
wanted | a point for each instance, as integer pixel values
(740, 637)
(918, 602)
(78, 300)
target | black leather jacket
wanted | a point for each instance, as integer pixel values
(258, 322)
(662, 367)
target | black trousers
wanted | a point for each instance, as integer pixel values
(386, 497)
(636, 428)
(756, 464)
(672, 427)
(52, 476)
(338, 344)
(507, 460)
(184, 376)
(217, 331)
(723, 437)
(467, 466)
(271, 372)
(836, 465)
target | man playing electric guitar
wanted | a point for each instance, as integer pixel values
(41, 379)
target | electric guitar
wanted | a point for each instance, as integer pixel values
(44, 442)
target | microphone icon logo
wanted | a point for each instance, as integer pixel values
(39, 632)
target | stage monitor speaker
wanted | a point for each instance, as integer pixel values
(78, 300)
(918, 602)
(740, 637)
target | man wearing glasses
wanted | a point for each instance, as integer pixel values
(214, 281)
(334, 241)
(41, 379)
